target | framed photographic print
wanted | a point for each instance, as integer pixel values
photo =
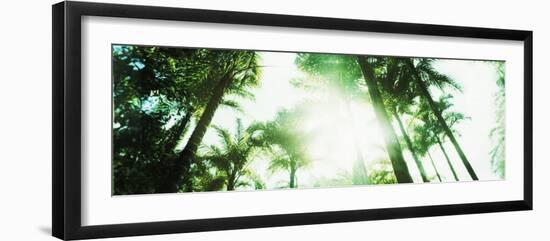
(170, 120)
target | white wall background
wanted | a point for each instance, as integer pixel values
(25, 119)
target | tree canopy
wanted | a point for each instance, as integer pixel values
(191, 120)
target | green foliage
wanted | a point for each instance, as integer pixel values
(156, 92)
(498, 151)
(330, 71)
(427, 130)
(285, 143)
(153, 102)
(233, 155)
(164, 100)
(381, 172)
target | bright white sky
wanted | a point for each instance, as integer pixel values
(333, 149)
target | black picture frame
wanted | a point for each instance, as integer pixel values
(66, 128)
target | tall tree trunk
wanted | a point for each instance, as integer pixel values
(411, 148)
(180, 173)
(231, 180)
(433, 165)
(447, 157)
(390, 138)
(448, 132)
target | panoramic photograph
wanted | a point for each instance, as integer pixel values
(203, 120)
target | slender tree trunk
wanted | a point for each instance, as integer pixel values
(390, 138)
(411, 148)
(448, 132)
(435, 168)
(447, 157)
(180, 173)
(292, 183)
(231, 182)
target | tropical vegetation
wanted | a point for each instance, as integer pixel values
(193, 120)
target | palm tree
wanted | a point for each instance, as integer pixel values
(398, 96)
(233, 155)
(234, 70)
(367, 66)
(423, 73)
(153, 104)
(285, 162)
(424, 139)
(342, 72)
(411, 148)
(285, 143)
(431, 132)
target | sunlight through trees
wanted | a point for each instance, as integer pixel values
(192, 120)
